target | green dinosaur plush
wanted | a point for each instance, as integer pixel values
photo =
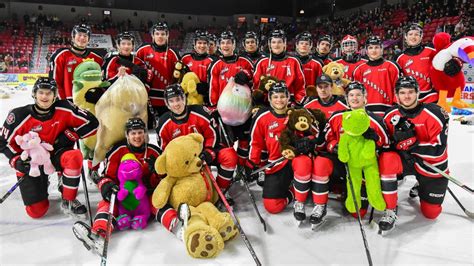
(360, 156)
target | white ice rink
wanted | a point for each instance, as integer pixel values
(415, 240)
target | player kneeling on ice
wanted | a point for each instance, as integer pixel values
(125, 160)
(267, 125)
(60, 124)
(389, 162)
(420, 134)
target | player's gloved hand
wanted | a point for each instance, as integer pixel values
(249, 168)
(151, 163)
(371, 134)
(203, 88)
(66, 139)
(107, 187)
(304, 145)
(93, 95)
(206, 156)
(404, 140)
(452, 67)
(140, 73)
(18, 164)
(242, 78)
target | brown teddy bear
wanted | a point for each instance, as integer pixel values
(336, 72)
(259, 96)
(302, 123)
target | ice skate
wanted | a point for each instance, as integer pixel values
(318, 216)
(90, 240)
(74, 208)
(414, 191)
(299, 212)
(181, 223)
(387, 222)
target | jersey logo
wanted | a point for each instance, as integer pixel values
(10, 118)
(72, 62)
(176, 133)
(190, 64)
(273, 125)
(382, 69)
(346, 69)
(149, 56)
(367, 72)
(37, 128)
(409, 62)
(223, 71)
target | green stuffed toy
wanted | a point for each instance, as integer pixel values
(360, 156)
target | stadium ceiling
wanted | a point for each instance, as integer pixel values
(219, 8)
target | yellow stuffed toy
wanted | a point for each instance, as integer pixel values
(336, 72)
(189, 83)
(208, 228)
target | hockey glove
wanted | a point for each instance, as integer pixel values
(107, 188)
(241, 78)
(249, 168)
(206, 156)
(371, 134)
(452, 67)
(21, 166)
(140, 73)
(93, 95)
(203, 88)
(404, 140)
(304, 145)
(66, 139)
(151, 164)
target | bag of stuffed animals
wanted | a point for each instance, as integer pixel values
(235, 104)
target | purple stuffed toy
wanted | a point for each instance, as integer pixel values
(134, 206)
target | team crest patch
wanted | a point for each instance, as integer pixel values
(10, 118)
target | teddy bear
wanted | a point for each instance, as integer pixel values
(336, 72)
(361, 158)
(189, 83)
(260, 95)
(450, 84)
(207, 228)
(134, 207)
(301, 124)
(38, 151)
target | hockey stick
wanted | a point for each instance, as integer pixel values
(12, 189)
(103, 260)
(268, 165)
(468, 213)
(364, 238)
(86, 191)
(450, 178)
(208, 173)
(252, 199)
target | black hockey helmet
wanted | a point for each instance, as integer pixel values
(355, 85)
(134, 123)
(200, 35)
(373, 40)
(406, 82)
(212, 37)
(250, 35)
(413, 26)
(304, 36)
(173, 90)
(159, 26)
(227, 35)
(45, 83)
(125, 36)
(81, 28)
(325, 37)
(278, 34)
(277, 87)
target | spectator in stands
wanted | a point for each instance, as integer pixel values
(8, 60)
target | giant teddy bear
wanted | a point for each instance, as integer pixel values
(360, 156)
(87, 76)
(336, 72)
(208, 228)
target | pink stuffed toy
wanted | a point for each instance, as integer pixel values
(38, 151)
(134, 208)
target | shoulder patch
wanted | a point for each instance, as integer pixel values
(10, 118)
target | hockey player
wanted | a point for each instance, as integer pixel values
(416, 61)
(182, 119)
(199, 61)
(65, 60)
(378, 76)
(250, 43)
(323, 48)
(267, 126)
(213, 53)
(350, 58)
(60, 124)
(281, 66)
(420, 136)
(325, 101)
(136, 143)
(312, 67)
(329, 165)
(160, 59)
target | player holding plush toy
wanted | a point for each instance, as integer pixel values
(312, 67)
(146, 154)
(350, 58)
(420, 133)
(60, 124)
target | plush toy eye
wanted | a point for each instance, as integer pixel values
(187, 162)
(194, 155)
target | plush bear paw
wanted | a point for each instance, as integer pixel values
(224, 224)
(123, 222)
(139, 223)
(203, 242)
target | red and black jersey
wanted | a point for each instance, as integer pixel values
(63, 115)
(114, 158)
(416, 62)
(62, 65)
(160, 60)
(283, 67)
(336, 103)
(222, 70)
(431, 130)
(379, 78)
(112, 64)
(198, 63)
(325, 58)
(312, 68)
(253, 57)
(264, 134)
(350, 64)
(334, 130)
(197, 120)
